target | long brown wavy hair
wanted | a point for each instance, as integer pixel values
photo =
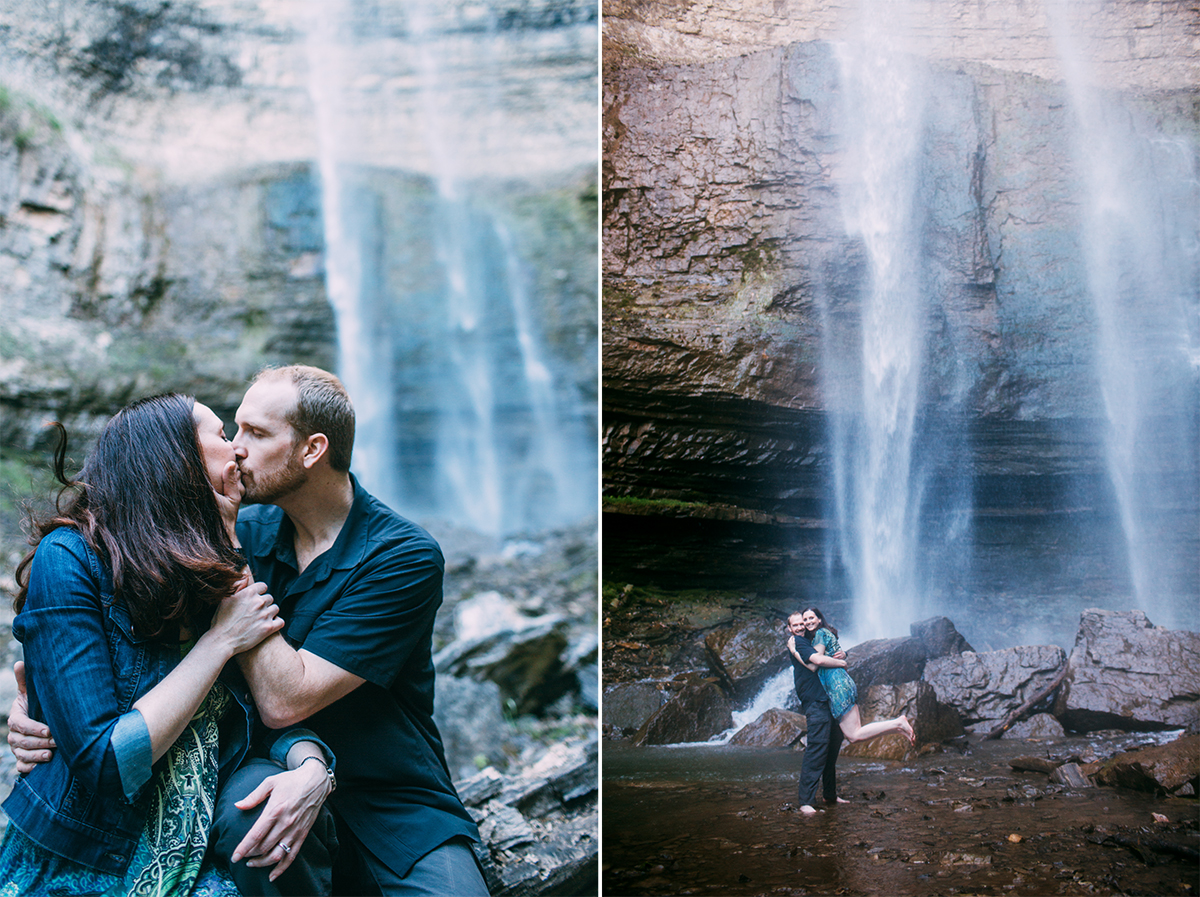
(821, 617)
(144, 503)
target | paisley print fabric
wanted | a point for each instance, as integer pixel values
(843, 694)
(169, 860)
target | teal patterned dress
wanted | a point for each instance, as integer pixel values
(840, 687)
(170, 858)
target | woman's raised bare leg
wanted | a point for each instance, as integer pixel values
(854, 730)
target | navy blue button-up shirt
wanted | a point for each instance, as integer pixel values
(367, 605)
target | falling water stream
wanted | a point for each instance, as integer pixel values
(1138, 207)
(464, 413)
(876, 501)
(1142, 255)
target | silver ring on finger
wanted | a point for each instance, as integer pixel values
(284, 847)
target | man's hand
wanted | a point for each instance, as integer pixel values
(30, 740)
(293, 800)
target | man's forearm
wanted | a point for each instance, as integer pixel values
(291, 685)
(275, 673)
(822, 660)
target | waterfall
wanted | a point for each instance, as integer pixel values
(363, 350)
(774, 694)
(465, 415)
(873, 431)
(1138, 224)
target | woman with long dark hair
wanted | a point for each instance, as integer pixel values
(843, 694)
(130, 605)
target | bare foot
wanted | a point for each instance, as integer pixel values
(841, 800)
(907, 728)
(808, 811)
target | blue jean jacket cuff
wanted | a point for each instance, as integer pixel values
(131, 746)
(292, 737)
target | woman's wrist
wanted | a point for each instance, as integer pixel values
(326, 771)
(213, 639)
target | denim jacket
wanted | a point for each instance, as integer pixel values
(85, 668)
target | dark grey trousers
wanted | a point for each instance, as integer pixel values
(820, 755)
(311, 873)
(448, 869)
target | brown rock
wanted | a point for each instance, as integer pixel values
(889, 661)
(746, 654)
(1126, 673)
(1035, 764)
(775, 728)
(1173, 767)
(933, 722)
(938, 637)
(627, 705)
(697, 713)
(1040, 725)
(1071, 775)
(986, 687)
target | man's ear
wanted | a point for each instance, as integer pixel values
(315, 448)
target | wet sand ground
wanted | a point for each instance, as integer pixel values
(723, 821)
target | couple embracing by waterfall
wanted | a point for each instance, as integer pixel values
(827, 693)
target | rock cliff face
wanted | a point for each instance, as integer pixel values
(735, 290)
(161, 208)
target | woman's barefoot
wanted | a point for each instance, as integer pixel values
(907, 729)
(808, 811)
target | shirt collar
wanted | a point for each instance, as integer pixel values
(348, 549)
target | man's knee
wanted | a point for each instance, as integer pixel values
(310, 872)
(230, 823)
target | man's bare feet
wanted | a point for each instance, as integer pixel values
(808, 811)
(841, 800)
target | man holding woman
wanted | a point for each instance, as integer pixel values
(827, 694)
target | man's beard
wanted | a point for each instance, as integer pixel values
(274, 486)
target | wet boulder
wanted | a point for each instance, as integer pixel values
(1040, 725)
(528, 664)
(468, 715)
(939, 638)
(1173, 768)
(775, 728)
(986, 687)
(1127, 673)
(696, 713)
(747, 654)
(627, 705)
(892, 661)
(932, 721)
(886, 661)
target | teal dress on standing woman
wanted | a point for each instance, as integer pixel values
(841, 689)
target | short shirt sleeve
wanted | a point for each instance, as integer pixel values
(381, 614)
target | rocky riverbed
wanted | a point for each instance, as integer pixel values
(708, 820)
(1037, 770)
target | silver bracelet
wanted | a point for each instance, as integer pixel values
(328, 771)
